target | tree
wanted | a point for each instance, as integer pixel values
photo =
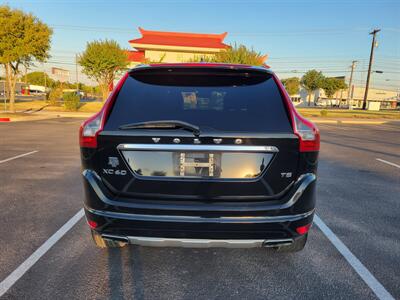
(341, 84)
(311, 81)
(331, 85)
(234, 55)
(292, 85)
(101, 61)
(40, 78)
(23, 38)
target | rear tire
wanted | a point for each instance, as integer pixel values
(105, 243)
(296, 246)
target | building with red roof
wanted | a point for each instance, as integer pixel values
(172, 47)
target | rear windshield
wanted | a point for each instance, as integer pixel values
(220, 100)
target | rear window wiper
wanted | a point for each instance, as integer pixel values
(162, 124)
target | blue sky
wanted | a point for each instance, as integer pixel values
(297, 35)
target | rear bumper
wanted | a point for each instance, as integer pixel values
(191, 223)
(198, 243)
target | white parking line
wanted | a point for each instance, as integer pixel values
(18, 156)
(7, 283)
(361, 270)
(388, 162)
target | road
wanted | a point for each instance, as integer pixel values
(358, 200)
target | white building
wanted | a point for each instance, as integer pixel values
(377, 98)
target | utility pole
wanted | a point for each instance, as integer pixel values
(5, 96)
(26, 88)
(371, 57)
(44, 77)
(353, 65)
(76, 72)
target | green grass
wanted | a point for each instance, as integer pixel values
(35, 105)
(92, 107)
(345, 113)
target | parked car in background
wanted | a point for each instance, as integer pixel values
(296, 100)
(75, 92)
(199, 155)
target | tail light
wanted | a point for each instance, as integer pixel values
(307, 132)
(91, 128)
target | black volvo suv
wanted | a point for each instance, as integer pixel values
(199, 155)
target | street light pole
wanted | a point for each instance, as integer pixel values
(371, 57)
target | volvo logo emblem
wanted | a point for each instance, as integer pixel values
(155, 140)
(196, 141)
(238, 141)
(217, 141)
(176, 140)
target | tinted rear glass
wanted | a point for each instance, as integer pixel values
(222, 100)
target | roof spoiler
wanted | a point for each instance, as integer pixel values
(201, 65)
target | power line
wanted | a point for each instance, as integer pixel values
(323, 31)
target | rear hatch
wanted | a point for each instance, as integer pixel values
(212, 134)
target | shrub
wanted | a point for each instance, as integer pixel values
(55, 96)
(324, 113)
(71, 101)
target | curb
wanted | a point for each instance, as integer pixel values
(5, 120)
(67, 114)
(338, 122)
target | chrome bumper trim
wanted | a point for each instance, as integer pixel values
(93, 179)
(197, 243)
(185, 147)
(198, 219)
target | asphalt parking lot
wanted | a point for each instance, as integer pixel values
(358, 200)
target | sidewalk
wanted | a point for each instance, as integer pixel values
(65, 114)
(44, 115)
(351, 121)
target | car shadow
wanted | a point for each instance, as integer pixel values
(185, 273)
(137, 272)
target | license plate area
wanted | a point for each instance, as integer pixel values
(197, 164)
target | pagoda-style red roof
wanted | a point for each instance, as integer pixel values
(136, 56)
(182, 39)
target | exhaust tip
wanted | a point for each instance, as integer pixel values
(277, 243)
(116, 238)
